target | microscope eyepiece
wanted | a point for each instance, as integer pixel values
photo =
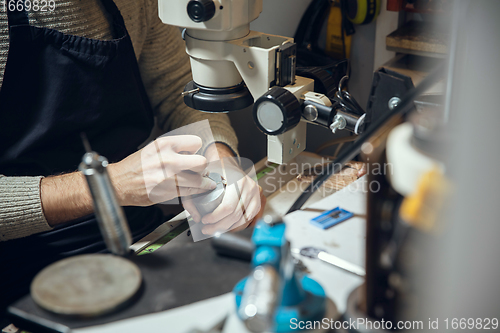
(201, 10)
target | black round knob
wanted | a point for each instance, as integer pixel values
(277, 111)
(201, 10)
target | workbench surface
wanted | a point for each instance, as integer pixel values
(345, 240)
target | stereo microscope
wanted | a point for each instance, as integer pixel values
(234, 67)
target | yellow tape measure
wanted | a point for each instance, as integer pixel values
(362, 11)
(356, 11)
(335, 45)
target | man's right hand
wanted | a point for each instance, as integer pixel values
(163, 170)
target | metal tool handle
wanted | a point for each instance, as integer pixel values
(260, 298)
(109, 213)
(233, 245)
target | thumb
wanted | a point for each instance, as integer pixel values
(191, 209)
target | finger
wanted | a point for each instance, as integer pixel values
(252, 207)
(167, 190)
(186, 185)
(243, 223)
(228, 205)
(248, 206)
(223, 225)
(191, 209)
(181, 143)
(189, 191)
(189, 179)
(250, 197)
(227, 222)
(180, 162)
(258, 216)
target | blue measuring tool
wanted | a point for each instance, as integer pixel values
(330, 218)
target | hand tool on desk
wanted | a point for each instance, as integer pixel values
(110, 216)
(94, 284)
(275, 291)
(233, 245)
(315, 253)
(162, 235)
(331, 218)
(236, 245)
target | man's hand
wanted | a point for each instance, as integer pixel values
(163, 170)
(243, 201)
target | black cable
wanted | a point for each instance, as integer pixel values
(342, 28)
(403, 107)
(311, 24)
(349, 101)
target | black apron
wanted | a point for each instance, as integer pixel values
(56, 86)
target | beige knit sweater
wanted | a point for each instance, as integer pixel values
(164, 68)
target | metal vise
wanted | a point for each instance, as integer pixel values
(275, 291)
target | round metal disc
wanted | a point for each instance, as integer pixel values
(206, 203)
(86, 285)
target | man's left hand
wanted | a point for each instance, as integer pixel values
(243, 202)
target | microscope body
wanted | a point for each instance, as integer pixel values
(234, 67)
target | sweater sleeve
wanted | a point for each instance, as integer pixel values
(165, 70)
(21, 211)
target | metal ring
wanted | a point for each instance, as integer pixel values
(341, 82)
(358, 123)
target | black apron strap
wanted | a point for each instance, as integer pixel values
(17, 17)
(116, 17)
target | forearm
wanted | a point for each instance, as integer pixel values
(65, 198)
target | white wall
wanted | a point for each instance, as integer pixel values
(280, 17)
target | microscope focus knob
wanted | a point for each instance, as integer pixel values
(201, 10)
(277, 111)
